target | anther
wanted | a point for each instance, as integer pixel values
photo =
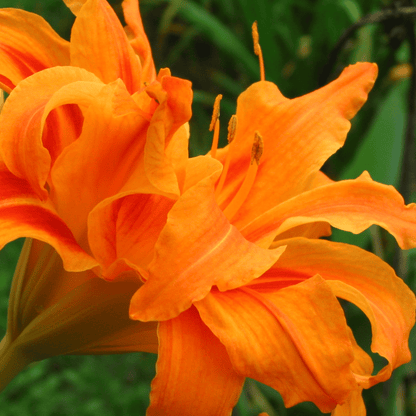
(242, 193)
(232, 127)
(215, 112)
(257, 50)
(215, 125)
(257, 148)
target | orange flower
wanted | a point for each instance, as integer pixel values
(240, 283)
(86, 123)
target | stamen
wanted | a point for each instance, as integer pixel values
(232, 128)
(257, 50)
(215, 125)
(242, 193)
(257, 149)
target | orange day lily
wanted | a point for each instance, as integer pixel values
(240, 282)
(227, 245)
(86, 121)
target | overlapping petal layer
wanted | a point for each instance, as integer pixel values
(294, 339)
(189, 351)
(192, 257)
(365, 280)
(27, 45)
(351, 205)
(100, 45)
(26, 148)
(299, 135)
(24, 215)
(138, 39)
(128, 228)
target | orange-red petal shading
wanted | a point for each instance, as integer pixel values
(27, 45)
(127, 228)
(299, 135)
(27, 148)
(174, 96)
(294, 339)
(100, 45)
(138, 39)
(92, 167)
(365, 280)
(188, 355)
(23, 215)
(191, 257)
(351, 205)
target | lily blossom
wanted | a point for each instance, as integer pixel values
(86, 121)
(240, 282)
(221, 252)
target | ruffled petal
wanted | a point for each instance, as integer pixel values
(365, 280)
(31, 141)
(299, 136)
(100, 162)
(100, 45)
(352, 205)
(188, 351)
(127, 228)
(27, 45)
(174, 96)
(294, 339)
(198, 248)
(138, 39)
(22, 214)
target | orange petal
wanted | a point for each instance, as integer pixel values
(354, 406)
(174, 96)
(352, 205)
(26, 147)
(194, 375)
(127, 228)
(294, 339)
(99, 163)
(138, 39)
(365, 280)
(24, 215)
(75, 5)
(27, 45)
(299, 135)
(198, 248)
(100, 45)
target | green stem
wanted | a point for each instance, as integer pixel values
(12, 362)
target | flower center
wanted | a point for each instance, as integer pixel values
(256, 151)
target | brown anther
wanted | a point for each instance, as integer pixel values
(215, 112)
(257, 149)
(232, 127)
(257, 50)
(255, 34)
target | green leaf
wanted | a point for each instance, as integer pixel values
(219, 34)
(380, 152)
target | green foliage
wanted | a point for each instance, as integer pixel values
(209, 42)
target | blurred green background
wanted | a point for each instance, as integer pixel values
(209, 42)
